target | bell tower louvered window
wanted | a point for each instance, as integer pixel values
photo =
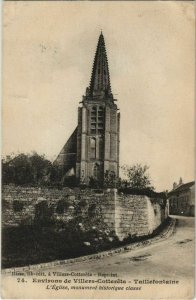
(100, 120)
(93, 119)
(97, 120)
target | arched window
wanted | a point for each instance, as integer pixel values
(96, 171)
(93, 148)
(101, 148)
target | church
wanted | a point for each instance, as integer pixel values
(93, 148)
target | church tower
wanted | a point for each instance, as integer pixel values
(98, 124)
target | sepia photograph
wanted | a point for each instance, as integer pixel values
(98, 190)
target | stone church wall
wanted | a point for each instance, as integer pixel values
(126, 215)
(67, 157)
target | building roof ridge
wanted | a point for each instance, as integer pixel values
(183, 186)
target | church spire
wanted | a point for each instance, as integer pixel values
(100, 78)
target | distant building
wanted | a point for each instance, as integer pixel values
(93, 148)
(182, 199)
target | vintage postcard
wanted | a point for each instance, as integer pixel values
(98, 190)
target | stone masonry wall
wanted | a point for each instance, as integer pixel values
(138, 215)
(124, 214)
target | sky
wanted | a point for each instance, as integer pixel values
(48, 52)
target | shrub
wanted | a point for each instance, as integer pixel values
(92, 210)
(17, 206)
(62, 206)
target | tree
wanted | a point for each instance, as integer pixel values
(40, 168)
(26, 169)
(110, 180)
(137, 177)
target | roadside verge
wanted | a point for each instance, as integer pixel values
(164, 234)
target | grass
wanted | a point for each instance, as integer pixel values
(27, 245)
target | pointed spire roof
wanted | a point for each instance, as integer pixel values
(100, 78)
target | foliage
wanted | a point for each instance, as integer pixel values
(26, 169)
(110, 179)
(70, 181)
(27, 245)
(92, 210)
(94, 183)
(137, 177)
(43, 214)
(34, 169)
(17, 206)
(62, 206)
(49, 241)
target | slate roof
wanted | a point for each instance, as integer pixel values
(182, 187)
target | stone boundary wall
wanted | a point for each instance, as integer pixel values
(138, 215)
(126, 215)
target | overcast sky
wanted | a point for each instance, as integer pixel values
(48, 51)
